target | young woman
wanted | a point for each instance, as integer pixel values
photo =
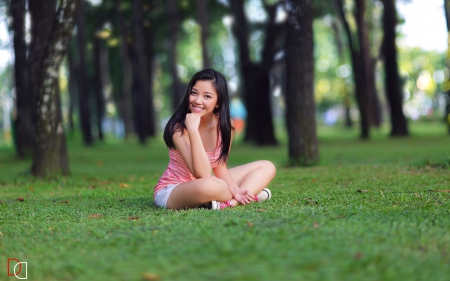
(199, 138)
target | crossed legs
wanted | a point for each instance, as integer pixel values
(254, 176)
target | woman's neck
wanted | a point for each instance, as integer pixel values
(207, 121)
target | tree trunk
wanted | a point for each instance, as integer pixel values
(84, 103)
(141, 76)
(392, 81)
(300, 107)
(256, 78)
(367, 66)
(150, 50)
(177, 93)
(98, 84)
(127, 86)
(202, 18)
(51, 31)
(357, 73)
(447, 63)
(23, 123)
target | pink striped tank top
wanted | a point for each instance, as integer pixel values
(177, 170)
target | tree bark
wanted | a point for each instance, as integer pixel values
(367, 66)
(173, 18)
(447, 63)
(99, 84)
(256, 78)
(127, 86)
(51, 32)
(143, 109)
(202, 17)
(24, 128)
(84, 94)
(300, 106)
(392, 81)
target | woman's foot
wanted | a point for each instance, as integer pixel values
(264, 195)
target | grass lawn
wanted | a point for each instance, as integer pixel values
(372, 210)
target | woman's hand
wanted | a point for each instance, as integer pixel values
(192, 122)
(243, 196)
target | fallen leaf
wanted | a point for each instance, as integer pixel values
(19, 199)
(362, 190)
(1, 234)
(415, 194)
(313, 180)
(381, 192)
(250, 224)
(133, 218)
(150, 277)
(316, 225)
(31, 188)
(261, 210)
(95, 216)
(447, 190)
(358, 256)
(65, 202)
(124, 185)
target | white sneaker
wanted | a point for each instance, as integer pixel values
(264, 195)
(216, 205)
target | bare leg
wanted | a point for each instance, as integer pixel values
(254, 176)
(197, 192)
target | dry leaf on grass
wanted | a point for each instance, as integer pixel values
(124, 185)
(132, 218)
(358, 256)
(362, 190)
(20, 199)
(316, 225)
(95, 216)
(447, 190)
(250, 224)
(65, 202)
(261, 210)
(150, 277)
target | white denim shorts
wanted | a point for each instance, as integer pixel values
(163, 194)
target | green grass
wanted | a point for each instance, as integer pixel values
(371, 210)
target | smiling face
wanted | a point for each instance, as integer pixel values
(203, 98)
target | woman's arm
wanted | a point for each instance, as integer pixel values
(191, 148)
(221, 171)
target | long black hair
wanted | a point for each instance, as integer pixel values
(177, 121)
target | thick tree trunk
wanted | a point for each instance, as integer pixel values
(127, 86)
(367, 66)
(447, 63)
(150, 51)
(357, 73)
(84, 94)
(98, 84)
(24, 128)
(54, 29)
(202, 18)
(142, 107)
(256, 79)
(300, 107)
(177, 93)
(392, 81)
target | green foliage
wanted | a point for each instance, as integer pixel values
(365, 213)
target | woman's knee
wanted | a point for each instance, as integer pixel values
(269, 167)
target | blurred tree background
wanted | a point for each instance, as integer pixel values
(122, 66)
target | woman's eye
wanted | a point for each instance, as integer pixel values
(208, 97)
(193, 93)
